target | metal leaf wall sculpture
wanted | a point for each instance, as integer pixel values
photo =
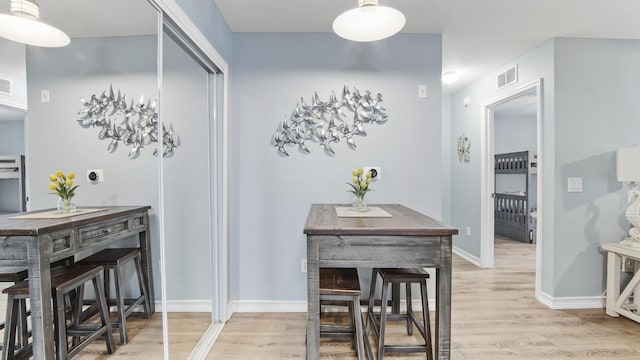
(134, 125)
(326, 122)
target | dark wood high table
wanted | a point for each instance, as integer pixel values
(407, 239)
(36, 243)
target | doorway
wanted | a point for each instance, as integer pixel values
(530, 93)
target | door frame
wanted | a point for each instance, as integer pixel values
(487, 150)
(219, 152)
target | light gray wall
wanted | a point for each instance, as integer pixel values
(185, 108)
(465, 176)
(11, 137)
(56, 141)
(270, 195)
(596, 112)
(13, 68)
(515, 133)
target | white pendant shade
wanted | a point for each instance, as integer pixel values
(24, 27)
(369, 23)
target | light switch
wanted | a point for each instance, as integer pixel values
(422, 91)
(574, 184)
(45, 96)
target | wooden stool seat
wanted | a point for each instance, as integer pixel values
(114, 260)
(64, 281)
(407, 277)
(343, 285)
(13, 274)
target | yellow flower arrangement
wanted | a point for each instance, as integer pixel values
(360, 182)
(62, 185)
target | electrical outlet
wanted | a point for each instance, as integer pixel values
(95, 176)
(468, 230)
(303, 265)
(375, 172)
(627, 264)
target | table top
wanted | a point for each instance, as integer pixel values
(323, 220)
(34, 227)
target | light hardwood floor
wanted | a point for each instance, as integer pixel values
(494, 318)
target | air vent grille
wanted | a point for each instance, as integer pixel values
(5, 86)
(508, 77)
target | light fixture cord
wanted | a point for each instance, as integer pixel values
(362, 3)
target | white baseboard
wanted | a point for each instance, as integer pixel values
(250, 306)
(570, 302)
(185, 306)
(467, 256)
(254, 306)
(267, 306)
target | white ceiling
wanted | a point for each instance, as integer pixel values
(97, 18)
(477, 35)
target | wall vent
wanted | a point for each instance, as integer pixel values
(5, 86)
(508, 77)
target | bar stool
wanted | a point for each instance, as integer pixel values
(114, 260)
(13, 275)
(343, 285)
(64, 282)
(407, 277)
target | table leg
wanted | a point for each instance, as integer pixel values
(40, 299)
(614, 264)
(636, 290)
(313, 299)
(146, 261)
(395, 296)
(443, 310)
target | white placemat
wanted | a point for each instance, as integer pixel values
(55, 214)
(371, 212)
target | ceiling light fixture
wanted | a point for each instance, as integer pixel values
(450, 77)
(23, 26)
(369, 22)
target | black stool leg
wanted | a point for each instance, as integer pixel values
(104, 314)
(383, 318)
(143, 286)
(78, 303)
(9, 346)
(23, 332)
(409, 307)
(371, 321)
(357, 318)
(60, 325)
(122, 316)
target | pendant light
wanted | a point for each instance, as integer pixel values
(23, 26)
(369, 22)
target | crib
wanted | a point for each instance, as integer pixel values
(514, 210)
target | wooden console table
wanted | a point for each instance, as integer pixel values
(618, 302)
(36, 243)
(406, 239)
